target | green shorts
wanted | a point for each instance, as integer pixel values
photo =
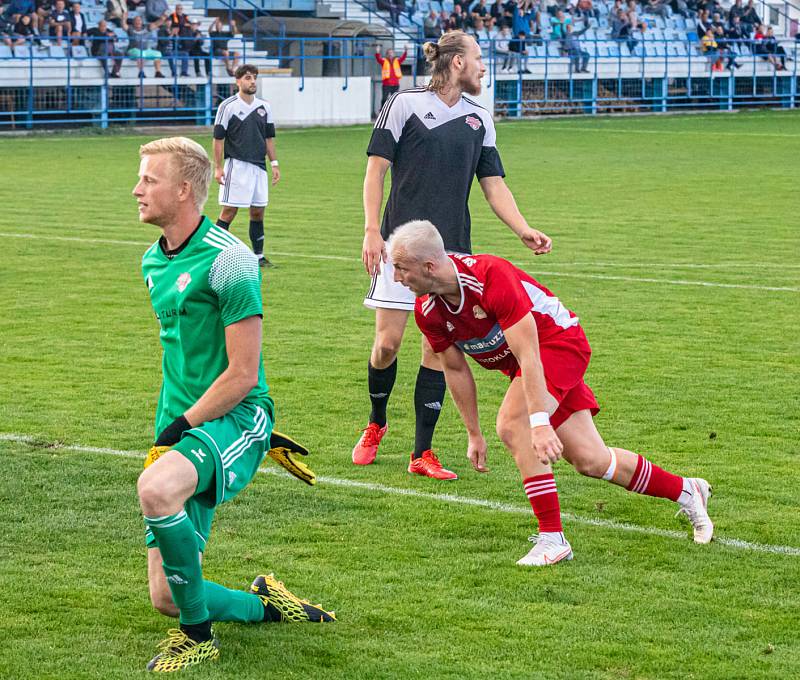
(226, 453)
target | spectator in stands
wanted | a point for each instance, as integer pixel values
(117, 13)
(479, 8)
(220, 33)
(41, 19)
(501, 48)
(59, 22)
(141, 46)
(571, 47)
(750, 19)
(586, 9)
(481, 35)
(193, 41)
(17, 8)
(703, 23)
(660, 8)
(431, 26)
(682, 7)
(518, 53)
(709, 47)
(522, 18)
(169, 44)
(6, 28)
(444, 21)
(78, 25)
(135, 5)
(458, 19)
(178, 18)
(391, 71)
(736, 10)
(558, 25)
(394, 8)
(103, 47)
(633, 17)
(156, 12)
(621, 30)
(497, 10)
(776, 53)
(23, 30)
(736, 34)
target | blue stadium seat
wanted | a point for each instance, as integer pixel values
(57, 52)
(22, 51)
(436, 6)
(5, 52)
(678, 21)
(79, 52)
(691, 36)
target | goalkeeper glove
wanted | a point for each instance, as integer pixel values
(154, 454)
(284, 450)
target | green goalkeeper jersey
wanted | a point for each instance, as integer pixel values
(211, 282)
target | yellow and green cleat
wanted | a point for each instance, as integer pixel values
(281, 605)
(179, 651)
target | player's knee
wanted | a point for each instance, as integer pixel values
(153, 494)
(256, 213)
(386, 349)
(588, 464)
(505, 430)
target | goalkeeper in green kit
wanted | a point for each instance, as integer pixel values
(215, 416)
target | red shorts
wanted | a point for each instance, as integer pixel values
(565, 359)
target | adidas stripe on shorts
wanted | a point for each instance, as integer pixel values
(245, 184)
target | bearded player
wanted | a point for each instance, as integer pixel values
(436, 140)
(215, 415)
(483, 306)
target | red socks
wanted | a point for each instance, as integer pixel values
(651, 480)
(543, 495)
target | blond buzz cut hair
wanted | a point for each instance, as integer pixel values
(191, 162)
(419, 240)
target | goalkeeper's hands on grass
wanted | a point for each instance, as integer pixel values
(285, 452)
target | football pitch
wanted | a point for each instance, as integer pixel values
(676, 241)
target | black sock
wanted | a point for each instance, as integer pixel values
(381, 382)
(199, 632)
(257, 236)
(428, 399)
(222, 224)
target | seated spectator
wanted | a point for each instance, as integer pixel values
(501, 48)
(178, 18)
(393, 7)
(621, 31)
(102, 46)
(750, 18)
(59, 22)
(572, 48)
(17, 8)
(156, 12)
(430, 26)
(558, 25)
(23, 30)
(444, 21)
(777, 55)
(660, 8)
(135, 5)
(633, 18)
(682, 7)
(586, 9)
(458, 19)
(41, 19)
(736, 10)
(736, 35)
(703, 23)
(194, 45)
(117, 13)
(79, 26)
(479, 8)
(497, 9)
(481, 35)
(518, 53)
(709, 47)
(220, 34)
(141, 46)
(6, 28)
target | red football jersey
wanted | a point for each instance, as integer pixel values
(494, 296)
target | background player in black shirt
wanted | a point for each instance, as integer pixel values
(435, 140)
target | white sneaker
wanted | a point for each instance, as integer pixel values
(694, 504)
(549, 548)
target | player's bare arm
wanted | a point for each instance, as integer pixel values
(273, 159)
(500, 198)
(523, 341)
(219, 163)
(461, 384)
(373, 252)
(243, 347)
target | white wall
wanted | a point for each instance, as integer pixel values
(322, 101)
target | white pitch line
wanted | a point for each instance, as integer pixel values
(441, 498)
(626, 131)
(546, 272)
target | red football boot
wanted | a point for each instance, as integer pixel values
(365, 451)
(429, 466)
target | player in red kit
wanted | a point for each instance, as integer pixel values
(487, 308)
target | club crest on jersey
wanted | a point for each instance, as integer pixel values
(262, 113)
(184, 280)
(478, 313)
(473, 122)
(450, 327)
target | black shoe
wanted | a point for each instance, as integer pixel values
(141, 75)
(160, 75)
(113, 75)
(264, 262)
(280, 605)
(526, 71)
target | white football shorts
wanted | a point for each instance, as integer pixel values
(386, 293)
(245, 185)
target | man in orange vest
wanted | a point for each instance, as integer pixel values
(390, 71)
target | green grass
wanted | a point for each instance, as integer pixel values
(703, 379)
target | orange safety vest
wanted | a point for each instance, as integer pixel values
(386, 73)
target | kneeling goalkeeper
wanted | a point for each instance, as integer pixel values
(215, 415)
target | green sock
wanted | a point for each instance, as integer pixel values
(176, 540)
(225, 604)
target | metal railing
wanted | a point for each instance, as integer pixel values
(42, 90)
